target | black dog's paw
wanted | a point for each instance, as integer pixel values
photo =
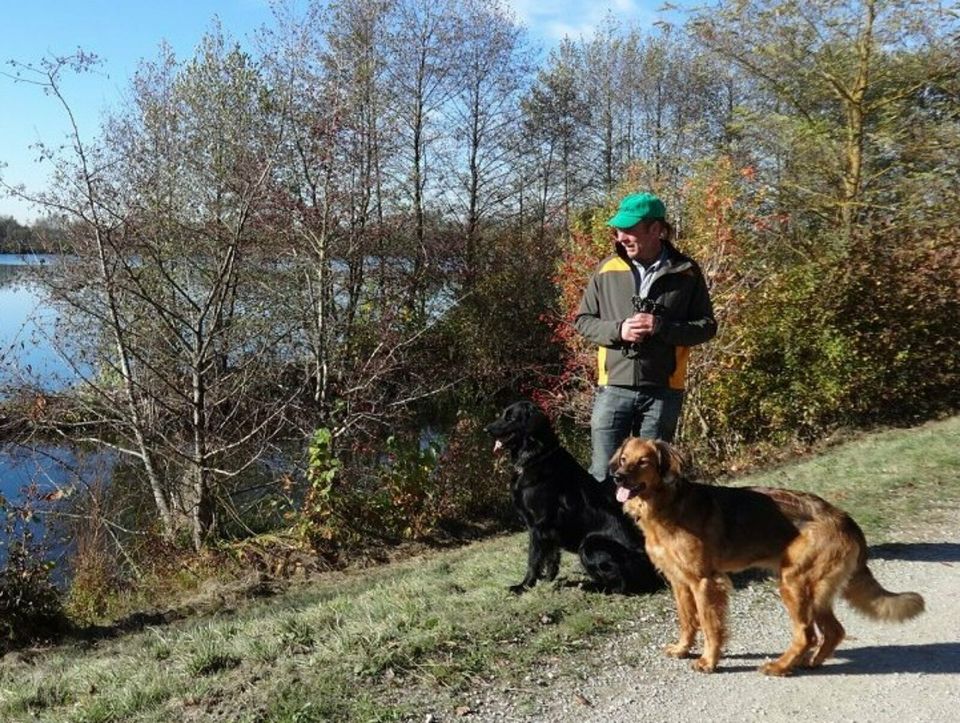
(519, 588)
(594, 586)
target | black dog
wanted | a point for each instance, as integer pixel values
(563, 506)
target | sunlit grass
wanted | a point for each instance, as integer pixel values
(883, 480)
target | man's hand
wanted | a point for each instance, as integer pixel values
(638, 327)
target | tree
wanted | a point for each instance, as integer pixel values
(14, 237)
(168, 296)
(483, 114)
(420, 65)
(832, 71)
(555, 113)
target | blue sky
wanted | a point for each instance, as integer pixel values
(122, 32)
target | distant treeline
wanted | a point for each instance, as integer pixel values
(44, 236)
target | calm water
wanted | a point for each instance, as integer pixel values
(28, 328)
(28, 352)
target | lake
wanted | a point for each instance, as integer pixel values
(28, 352)
(28, 327)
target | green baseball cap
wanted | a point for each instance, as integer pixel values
(638, 207)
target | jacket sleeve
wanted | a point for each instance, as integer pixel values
(700, 327)
(603, 332)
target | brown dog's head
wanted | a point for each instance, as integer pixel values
(645, 468)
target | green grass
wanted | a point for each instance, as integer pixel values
(884, 480)
(392, 642)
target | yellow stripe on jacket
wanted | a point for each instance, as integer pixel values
(678, 379)
(615, 264)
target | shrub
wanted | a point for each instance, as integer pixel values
(387, 493)
(814, 333)
(30, 607)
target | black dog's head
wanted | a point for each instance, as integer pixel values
(523, 430)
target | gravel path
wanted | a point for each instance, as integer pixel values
(881, 672)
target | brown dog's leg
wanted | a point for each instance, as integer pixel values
(795, 591)
(824, 593)
(711, 598)
(687, 619)
(832, 633)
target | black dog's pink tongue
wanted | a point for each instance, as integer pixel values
(623, 494)
(497, 447)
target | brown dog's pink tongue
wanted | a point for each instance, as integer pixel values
(623, 494)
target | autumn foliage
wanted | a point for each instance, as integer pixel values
(807, 343)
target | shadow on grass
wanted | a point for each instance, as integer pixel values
(133, 623)
(917, 551)
(591, 586)
(219, 605)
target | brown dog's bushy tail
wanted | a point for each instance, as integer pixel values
(869, 597)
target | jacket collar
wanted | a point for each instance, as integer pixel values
(673, 263)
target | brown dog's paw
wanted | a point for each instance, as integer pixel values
(774, 669)
(677, 650)
(702, 665)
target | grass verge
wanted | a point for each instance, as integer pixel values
(398, 641)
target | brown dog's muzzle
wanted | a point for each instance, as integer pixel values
(634, 468)
(624, 492)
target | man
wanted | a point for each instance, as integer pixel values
(645, 306)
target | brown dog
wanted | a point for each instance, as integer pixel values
(697, 533)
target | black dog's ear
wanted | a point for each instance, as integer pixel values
(519, 410)
(538, 425)
(671, 462)
(537, 432)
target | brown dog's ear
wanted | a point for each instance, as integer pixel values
(671, 461)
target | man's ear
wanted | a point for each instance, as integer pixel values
(671, 462)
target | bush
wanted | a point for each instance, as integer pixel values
(30, 607)
(409, 487)
(816, 332)
(899, 300)
(387, 493)
(791, 375)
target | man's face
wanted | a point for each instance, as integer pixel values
(641, 241)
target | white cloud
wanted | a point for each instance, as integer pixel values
(551, 21)
(557, 30)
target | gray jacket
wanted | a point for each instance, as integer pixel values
(684, 309)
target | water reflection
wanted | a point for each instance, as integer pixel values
(41, 480)
(39, 477)
(28, 328)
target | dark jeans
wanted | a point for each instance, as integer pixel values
(619, 412)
